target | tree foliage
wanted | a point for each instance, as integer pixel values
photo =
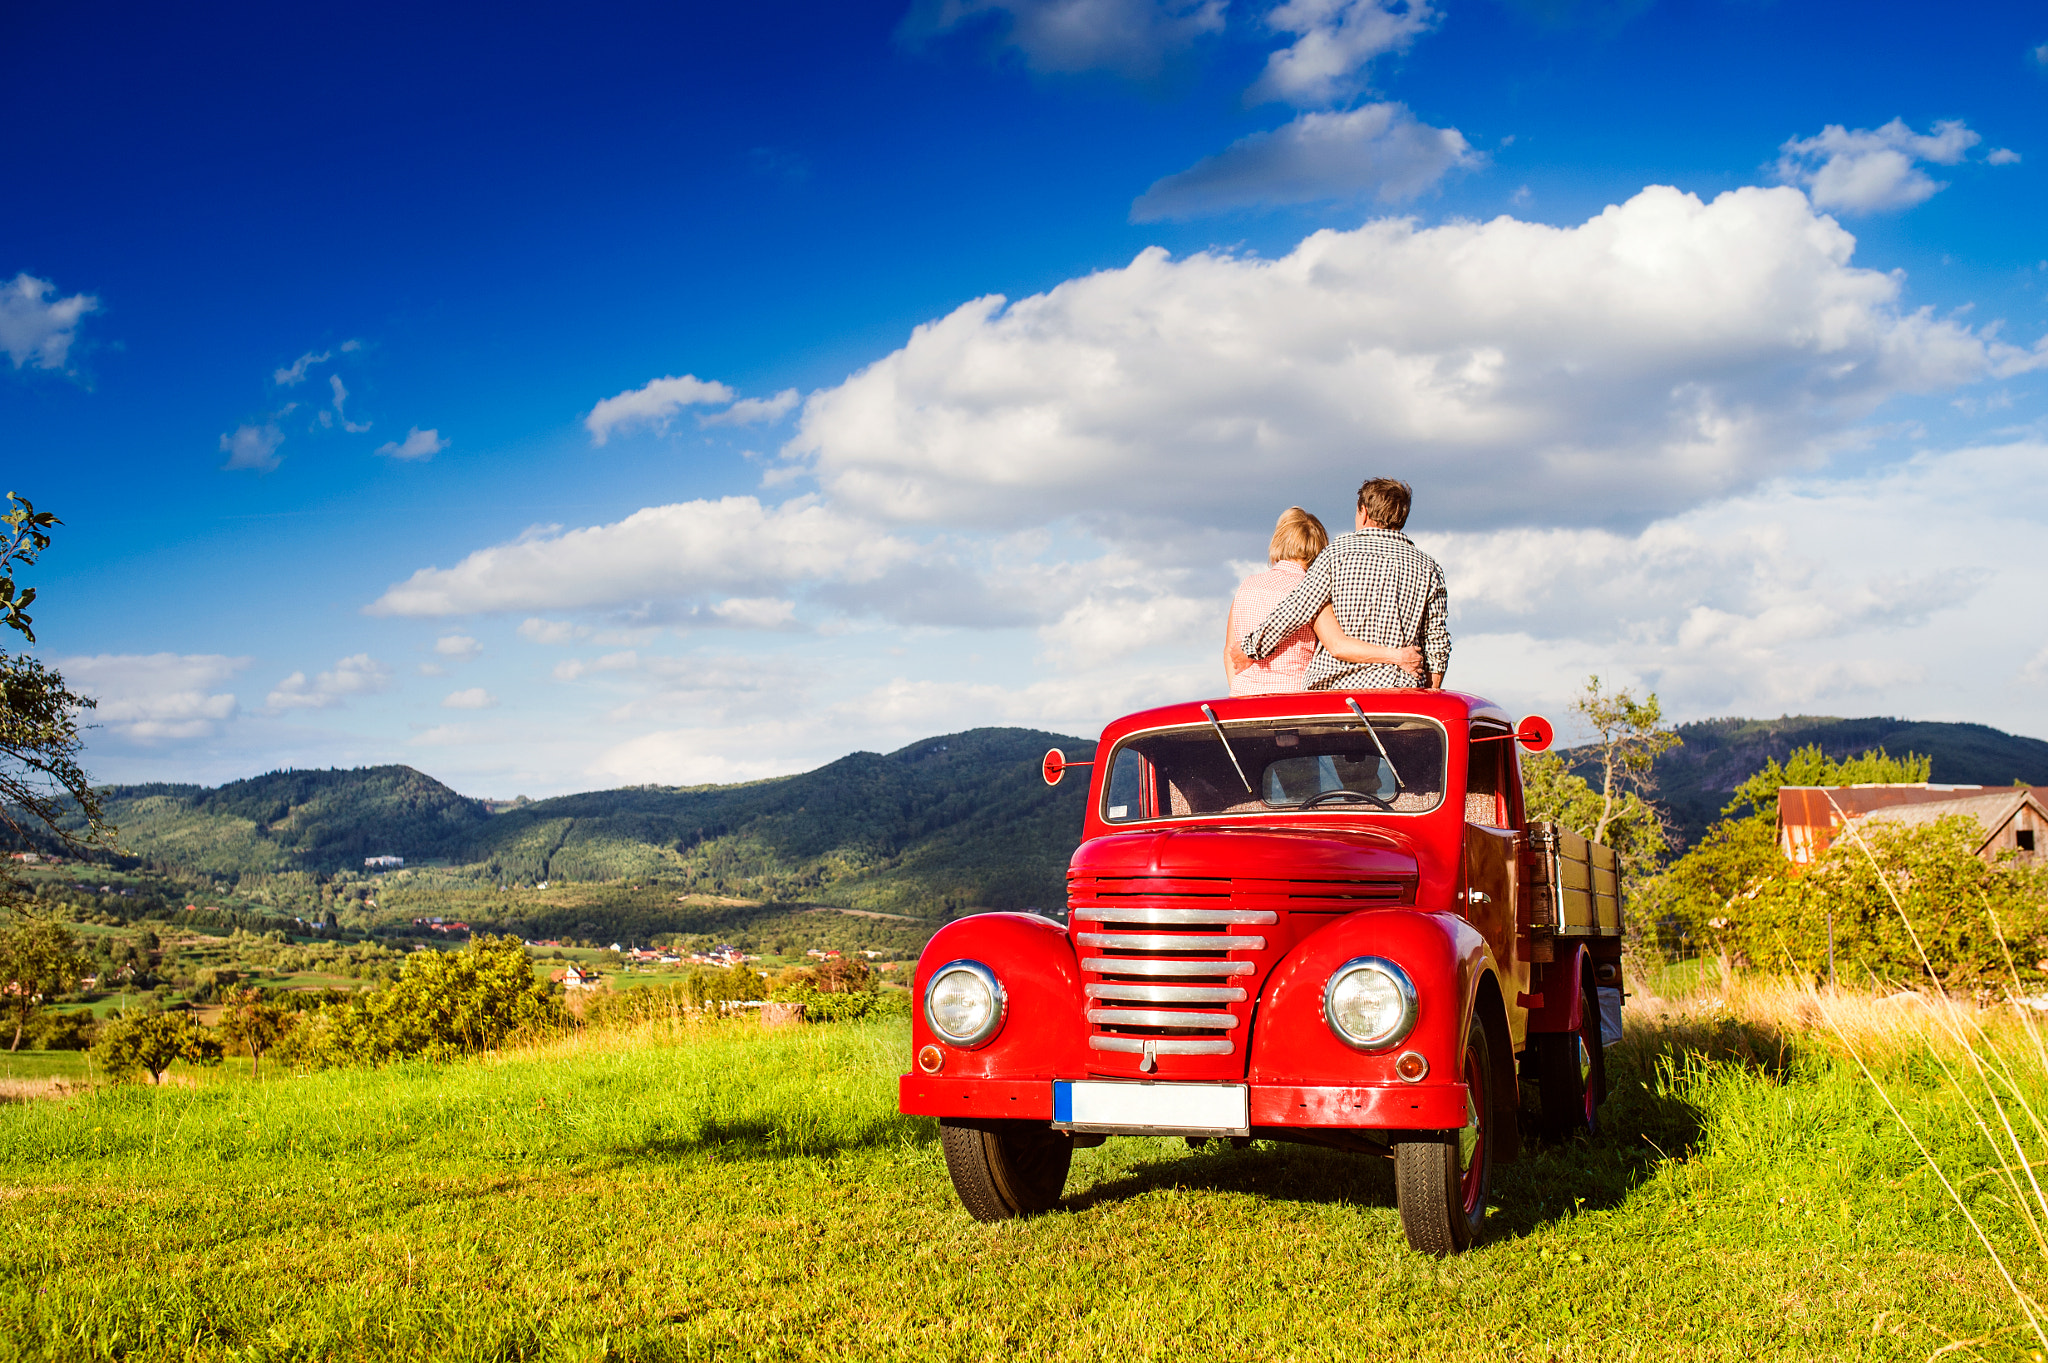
(1809, 766)
(444, 1005)
(134, 1041)
(1619, 812)
(39, 742)
(256, 1023)
(1966, 914)
(38, 958)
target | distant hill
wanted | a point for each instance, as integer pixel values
(1696, 781)
(946, 824)
(962, 820)
(318, 821)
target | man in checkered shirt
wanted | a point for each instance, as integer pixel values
(1385, 590)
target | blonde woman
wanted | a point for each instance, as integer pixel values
(1297, 539)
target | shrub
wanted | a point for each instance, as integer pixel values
(733, 984)
(445, 1004)
(1947, 891)
(131, 1041)
(52, 1031)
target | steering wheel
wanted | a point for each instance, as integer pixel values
(1348, 796)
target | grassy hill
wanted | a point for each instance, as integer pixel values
(1694, 782)
(947, 823)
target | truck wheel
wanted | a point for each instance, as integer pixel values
(1571, 1074)
(1441, 1183)
(1019, 1170)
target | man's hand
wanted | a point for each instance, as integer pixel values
(1436, 682)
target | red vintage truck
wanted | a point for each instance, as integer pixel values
(1318, 917)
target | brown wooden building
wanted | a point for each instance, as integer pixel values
(1811, 818)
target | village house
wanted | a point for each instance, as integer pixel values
(576, 979)
(1811, 819)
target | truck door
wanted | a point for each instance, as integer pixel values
(1492, 887)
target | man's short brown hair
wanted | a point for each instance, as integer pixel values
(1299, 536)
(1385, 501)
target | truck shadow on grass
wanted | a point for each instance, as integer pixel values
(761, 1138)
(1646, 1120)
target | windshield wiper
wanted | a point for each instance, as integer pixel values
(1226, 747)
(1398, 783)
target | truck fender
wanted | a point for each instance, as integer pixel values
(1442, 955)
(1563, 993)
(1043, 1035)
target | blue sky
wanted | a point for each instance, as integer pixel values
(554, 398)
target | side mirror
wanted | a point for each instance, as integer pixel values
(1055, 766)
(1535, 733)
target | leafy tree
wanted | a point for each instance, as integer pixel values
(1720, 878)
(1932, 873)
(39, 743)
(255, 1022)
(37, 959)
(734, 983)
(152, 1041)
(445, 1004)
(1809, 766)
(1619, 812)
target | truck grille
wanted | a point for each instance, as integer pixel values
(1171, 966)
(1166, 977)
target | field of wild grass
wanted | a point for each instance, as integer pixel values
(713, 1191)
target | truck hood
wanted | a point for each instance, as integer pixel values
(1261, 853)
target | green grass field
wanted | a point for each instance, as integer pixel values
(715, 1191)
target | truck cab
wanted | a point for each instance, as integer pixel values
(1320, 917)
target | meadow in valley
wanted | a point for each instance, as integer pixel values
(689, 1188)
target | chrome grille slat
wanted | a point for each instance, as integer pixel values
(1160, 1017)
(1104, 913)
(1167, 993)
(1161, 941)
(1164, 1045)
(1127, 965)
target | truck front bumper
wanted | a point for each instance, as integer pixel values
(1388, 1107)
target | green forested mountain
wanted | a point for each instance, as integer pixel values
(1695, 781)
(319, 821)
(947, 823)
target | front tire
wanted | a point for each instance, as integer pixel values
(1017, 1169)
(1442, 1183)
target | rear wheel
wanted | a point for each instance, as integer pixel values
(1015, 1170)
(1571, 1074)
(1442, 1182)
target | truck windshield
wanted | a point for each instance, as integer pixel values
(1325, 764)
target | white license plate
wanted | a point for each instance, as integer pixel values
(1092, 1105)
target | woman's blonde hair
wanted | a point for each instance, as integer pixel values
(1299, 536)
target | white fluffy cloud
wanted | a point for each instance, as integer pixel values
(1869, 170)
(252, 447)
(356, 675)
(1805, 591)
(1665, 352)
(1378, 150)
(753, 411)
(295, 373)
(1130, 37)
(653, 404)
(1336, 40)
(35, 326)
(471, 698)
(152, 698)
(418, 444)
(663, 553)
(460, 647)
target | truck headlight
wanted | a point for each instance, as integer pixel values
(964, 1003)
(1370, 1003)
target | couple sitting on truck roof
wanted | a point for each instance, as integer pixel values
(1361, 612)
